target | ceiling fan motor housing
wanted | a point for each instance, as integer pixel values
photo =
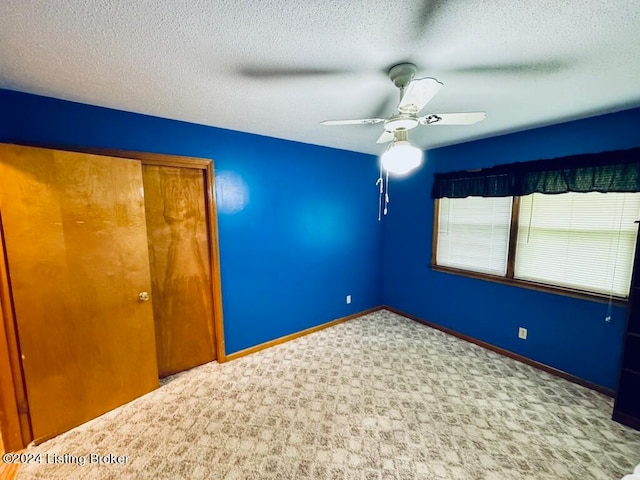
(405, 121)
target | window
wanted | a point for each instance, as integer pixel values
(572, 241)
(578, 240)
(473, 233)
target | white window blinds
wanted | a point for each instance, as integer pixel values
(578, 240)
(473, 234)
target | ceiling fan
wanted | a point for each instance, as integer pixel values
(414, 96)
(401, 157)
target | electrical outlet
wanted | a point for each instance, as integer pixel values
(348, 299)
(522, 333)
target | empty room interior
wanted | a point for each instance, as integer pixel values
(320, 240)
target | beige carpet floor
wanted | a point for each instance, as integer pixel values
(379, 397)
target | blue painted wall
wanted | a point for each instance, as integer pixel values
(298, 227)
(298, 230)
(566, 333)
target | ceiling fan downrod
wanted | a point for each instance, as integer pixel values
(401, 75)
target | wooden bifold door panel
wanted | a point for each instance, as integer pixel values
(76, 245)
(180, 266)
(109, 278)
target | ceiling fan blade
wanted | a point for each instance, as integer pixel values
(468, 118)
(362, 121)
(386, 106)
(546, 67)
(267, 73)
(418, 93)
(386, 137)
(425, 15)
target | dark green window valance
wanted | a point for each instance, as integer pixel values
(614, 171)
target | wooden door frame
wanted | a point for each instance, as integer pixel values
(15, 425)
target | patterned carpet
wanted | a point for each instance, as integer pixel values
(379, 397)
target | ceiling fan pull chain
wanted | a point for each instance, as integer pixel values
(379, 182)
(386, 195)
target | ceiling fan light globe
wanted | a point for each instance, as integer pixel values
(401, 158)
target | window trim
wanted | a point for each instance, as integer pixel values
(509, 279)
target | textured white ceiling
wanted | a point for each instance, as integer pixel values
(278, 68)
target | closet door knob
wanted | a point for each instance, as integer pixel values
(143, 296)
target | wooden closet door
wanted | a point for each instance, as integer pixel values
(76, 244)
(180, 266)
